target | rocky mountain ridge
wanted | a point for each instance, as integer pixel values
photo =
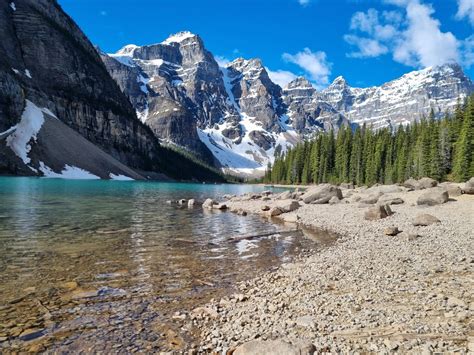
(237, 118)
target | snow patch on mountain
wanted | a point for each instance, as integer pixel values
(120, 177)
(27, 129)
(178, 37)
(69, 172)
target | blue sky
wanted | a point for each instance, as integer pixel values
(367, 41)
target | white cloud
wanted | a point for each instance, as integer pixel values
(367, 47)
(466, 9)
(417, 41)
(304, 2)
(281, 77)
(423, 43)
(313, 63)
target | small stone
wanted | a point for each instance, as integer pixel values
(265, 208)
(391, 231)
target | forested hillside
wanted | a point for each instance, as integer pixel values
(441, 149)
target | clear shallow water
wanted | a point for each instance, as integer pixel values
(98, 264)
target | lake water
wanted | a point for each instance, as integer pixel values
(104, 265)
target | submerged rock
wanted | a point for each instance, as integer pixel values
(208, 203)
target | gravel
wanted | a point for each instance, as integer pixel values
(368, 292)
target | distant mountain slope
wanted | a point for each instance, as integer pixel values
(240, 117)
(50, 71)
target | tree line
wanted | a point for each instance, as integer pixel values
(442, 149)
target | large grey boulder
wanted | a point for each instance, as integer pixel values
(426, 183)
(434, 196)
(469, 186)
(274, 347)
(425, 220)
(454, 190)
(321, 194)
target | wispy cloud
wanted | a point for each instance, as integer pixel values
(315, 64)
(466, 10)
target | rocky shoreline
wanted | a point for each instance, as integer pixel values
(399, 278)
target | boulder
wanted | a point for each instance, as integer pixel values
(334, 200)
(288, 205)
(274, 347)
(469, 187)
(209, 203)
(321, 194)
(275, 211)
(219, 206)
(390, 200)
(377, 212)
(191, 203)
(386, 189)
(454, 191)
(432, 197)
(371, 199)
(411, 184)
(426, 183)
(181, 202)
(241, 212)
(285, 195)
(391, 231)
(425, 220)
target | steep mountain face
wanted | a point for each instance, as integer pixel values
(403, 100)
(59, 107)
(237, 115)
(307, 111)
(47, 60)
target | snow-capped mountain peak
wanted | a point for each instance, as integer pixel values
(179, 37)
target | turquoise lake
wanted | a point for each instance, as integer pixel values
(87, 264)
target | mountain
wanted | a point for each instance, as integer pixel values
(60, 110)
(403, 100)
(235, 117)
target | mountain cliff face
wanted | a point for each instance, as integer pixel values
(53, 85)
(238, 116)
